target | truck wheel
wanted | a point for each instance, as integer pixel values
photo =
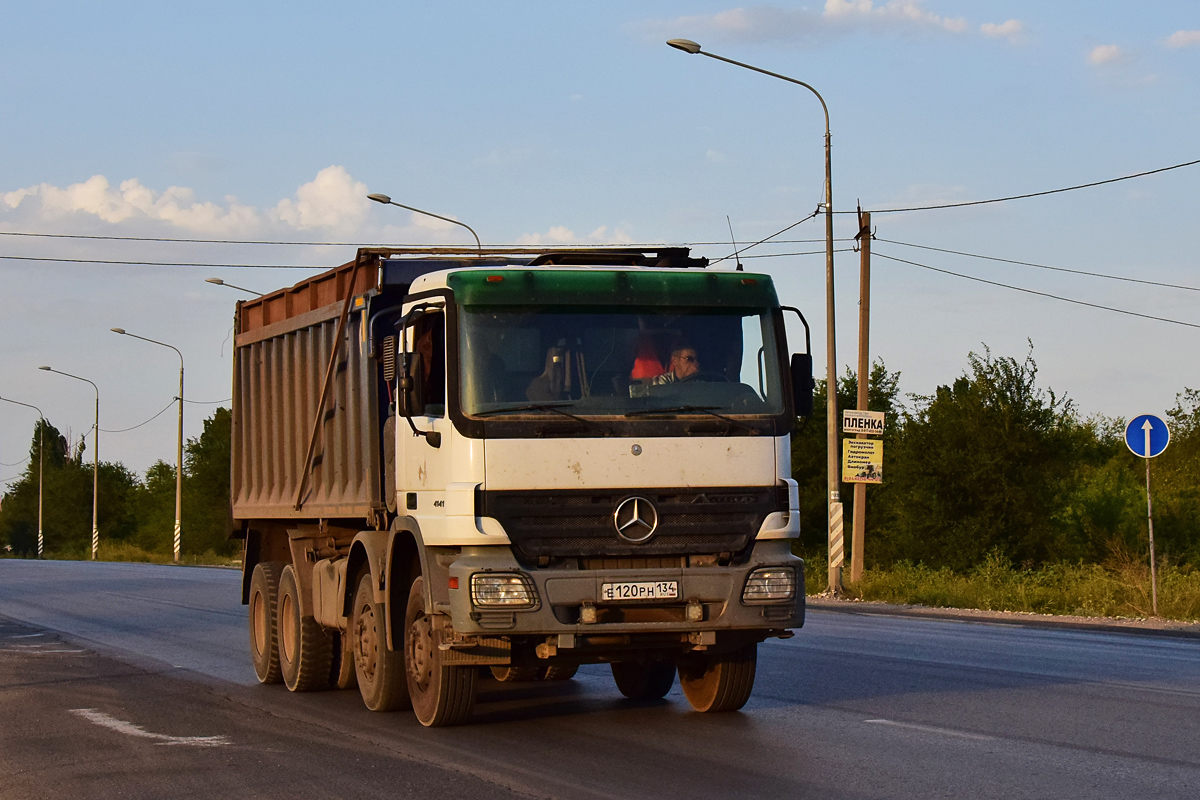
(515, 674)
(305, 648)
(264, 640)
(558, 673)
(379, 671)
(441, 694)
(719, 682)
(644, 680)
(341, 671)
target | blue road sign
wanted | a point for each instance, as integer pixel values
(1147, 436)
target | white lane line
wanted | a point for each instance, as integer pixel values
(25, 636)
(38, 652)
(129, 729)
(930, 729)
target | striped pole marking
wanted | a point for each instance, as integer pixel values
(177, 527)
(836, 552)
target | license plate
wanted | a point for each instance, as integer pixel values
(640, 590)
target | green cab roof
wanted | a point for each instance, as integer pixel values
(544, 286)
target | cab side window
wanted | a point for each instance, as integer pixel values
(429, 347)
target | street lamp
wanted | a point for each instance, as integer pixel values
(41, 462)
(179, 446)
(95, 461)
(831, 436)
(387, 201)
(219, 282)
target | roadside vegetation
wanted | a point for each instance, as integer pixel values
(998, 495)
(136, 512)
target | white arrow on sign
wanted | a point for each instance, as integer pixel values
(1146, 428)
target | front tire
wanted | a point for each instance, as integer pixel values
(264, 633)
(649, 680)
(305, 648)
(379, 671)
(441, 694)
(714, 683)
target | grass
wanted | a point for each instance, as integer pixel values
(131, 553)
(1119, 588)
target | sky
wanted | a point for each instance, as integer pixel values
(565, 123)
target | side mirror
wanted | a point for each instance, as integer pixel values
(803, 384)
(410, 394)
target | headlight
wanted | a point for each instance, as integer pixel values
(502, 590)
(770, 585)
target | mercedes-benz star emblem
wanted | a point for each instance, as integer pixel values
(635, 519)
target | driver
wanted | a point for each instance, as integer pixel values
(684, 364)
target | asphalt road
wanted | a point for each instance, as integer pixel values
(134, 681)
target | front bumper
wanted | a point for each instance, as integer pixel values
(564, 592)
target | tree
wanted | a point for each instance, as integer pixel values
(983, 465)
(809, 449)
(206, 487)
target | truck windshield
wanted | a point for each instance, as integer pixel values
(625, 361)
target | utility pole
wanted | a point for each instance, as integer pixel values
(864, 379)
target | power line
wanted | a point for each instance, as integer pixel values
(1034, 291)
(140, 424)
(805, 253)
(1044, 266)
(15, 463)
(1030, 194)
(172, 240)
(159, 263)
(772, 236)
(209, 402)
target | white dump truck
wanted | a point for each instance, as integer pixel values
(451, 463)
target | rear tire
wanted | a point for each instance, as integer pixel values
(305, 648)
(378, 670)
(650, 680)
(341, 672)
(441, 694)
(557, 673)
(714, 683)
(515, 674)
(264, 633)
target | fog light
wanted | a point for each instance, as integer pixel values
(502, 590)
(770, 585)
(695, 611)
(587, 614)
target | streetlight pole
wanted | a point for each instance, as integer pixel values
(41, 462)
(95, 461)
(220, 282)
(387, 201)
(836, 549)
(179, 440)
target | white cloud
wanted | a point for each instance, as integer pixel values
(131, 200)
(560, 234)
(1011, 30)
(1105, 54)
(807, 26)
(333, 200)
(1183, 39)
(715, 156)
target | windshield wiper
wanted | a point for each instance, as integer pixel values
(709, 410)
(556, 408)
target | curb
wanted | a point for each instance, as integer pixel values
(1134, 627)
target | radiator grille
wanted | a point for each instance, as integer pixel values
(580, 523)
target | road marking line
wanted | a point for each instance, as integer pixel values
(129, 729)
(38, 652)
(931, 729)
(25, 636)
